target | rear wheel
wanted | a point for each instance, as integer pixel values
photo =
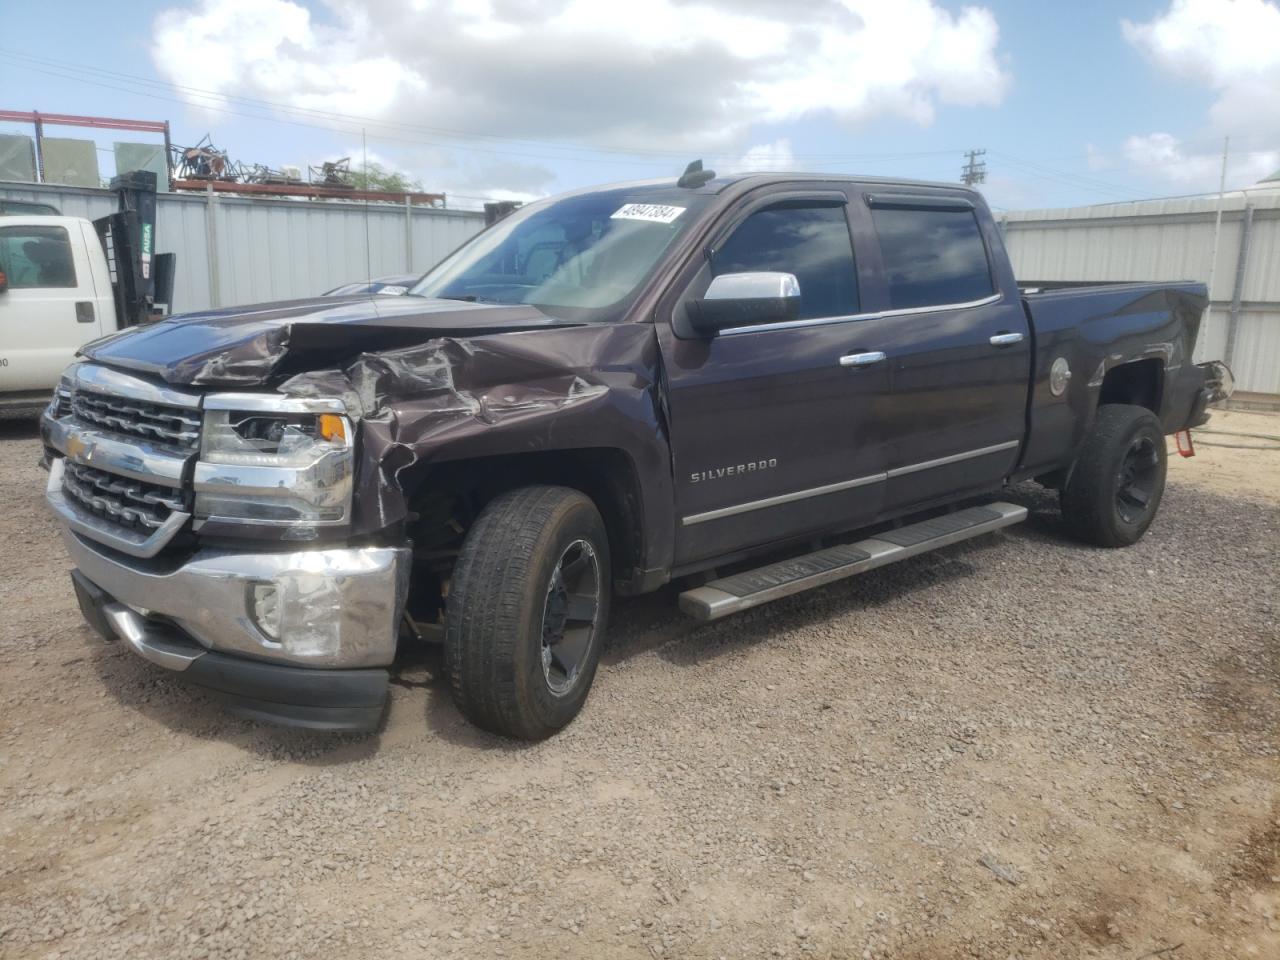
(1114, 488)
(526, 612)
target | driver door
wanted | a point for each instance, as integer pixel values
(773, 434)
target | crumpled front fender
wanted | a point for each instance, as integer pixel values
(456, 399)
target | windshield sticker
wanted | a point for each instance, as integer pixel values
(653, 212)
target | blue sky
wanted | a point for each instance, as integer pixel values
(526, 97)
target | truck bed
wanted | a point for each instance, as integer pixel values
(1094, 328)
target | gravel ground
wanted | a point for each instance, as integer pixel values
(1017, 747)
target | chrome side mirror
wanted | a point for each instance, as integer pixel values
(746, 299)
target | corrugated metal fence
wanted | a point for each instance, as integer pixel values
(1173, 240)
(233, 250)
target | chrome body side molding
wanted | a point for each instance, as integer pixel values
(739, 508)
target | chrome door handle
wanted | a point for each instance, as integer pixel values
(864, 359)
(1006, 339)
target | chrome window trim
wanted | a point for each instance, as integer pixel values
(272, 403)
(124, 385)
(854, 317)
(782, 498)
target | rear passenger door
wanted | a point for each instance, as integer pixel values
(957, 347)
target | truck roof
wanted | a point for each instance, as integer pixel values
(748, 180)
(39, 219)
(26, 207)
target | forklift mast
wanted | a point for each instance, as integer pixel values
(141, 279)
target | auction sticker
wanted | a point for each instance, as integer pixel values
(653, 212)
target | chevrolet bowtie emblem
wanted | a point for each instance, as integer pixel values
(77, 449)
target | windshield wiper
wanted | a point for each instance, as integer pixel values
(464, 297)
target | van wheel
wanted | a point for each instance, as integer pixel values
(1115, 485)
(526, 612)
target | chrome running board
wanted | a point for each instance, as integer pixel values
(754, 587)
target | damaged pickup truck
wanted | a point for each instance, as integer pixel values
(753, 385)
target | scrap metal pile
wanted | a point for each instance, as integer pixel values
(206, 167)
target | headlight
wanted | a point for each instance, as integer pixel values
(275, 461)
(60, 402)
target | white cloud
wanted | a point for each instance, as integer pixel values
(1165, 156)
(675, 74)
(765, 156)
(1233, 48)
(270, 49)
(1225, 42)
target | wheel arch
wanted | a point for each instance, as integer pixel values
(1138, 382)
(454, 492)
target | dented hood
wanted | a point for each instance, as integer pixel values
(253, 345)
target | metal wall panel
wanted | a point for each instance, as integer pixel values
(1172, 240)
(71, 162)
(17, 157)
(1262, 280)
(274, 249)
(1257, 350)
(143, 156)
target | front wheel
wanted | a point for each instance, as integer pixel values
(526, 612)
(1115, 486)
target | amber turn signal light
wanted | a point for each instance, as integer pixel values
(333, 427)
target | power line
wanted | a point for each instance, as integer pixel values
(1042, 172)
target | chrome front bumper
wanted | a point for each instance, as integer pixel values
(339, 608)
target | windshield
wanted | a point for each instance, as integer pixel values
(580, 258)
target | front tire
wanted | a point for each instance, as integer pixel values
(526, 613)
(1116, 484)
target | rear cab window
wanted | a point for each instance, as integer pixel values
(34, 257)
(933, 256)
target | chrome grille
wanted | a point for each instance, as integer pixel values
(160, 423)
(132, 503)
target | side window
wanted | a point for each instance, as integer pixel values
(932, 257)
(811, 242)
(36, 256)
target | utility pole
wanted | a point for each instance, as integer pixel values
(1217, 225)
(975, 170)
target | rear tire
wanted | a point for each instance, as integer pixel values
(1116, 484)
(526, 613)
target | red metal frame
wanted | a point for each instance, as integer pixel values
(305, 190)
(69, 120)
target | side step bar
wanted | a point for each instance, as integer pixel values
(754, 587)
